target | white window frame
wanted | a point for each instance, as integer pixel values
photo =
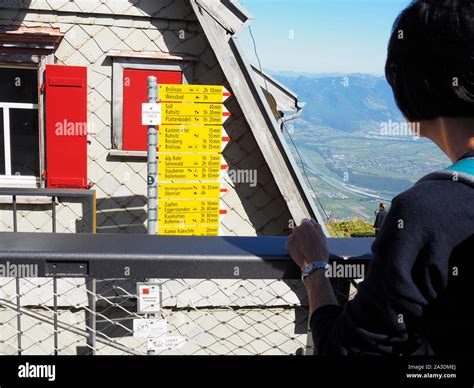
(119, 65)
(6, 106)
(9, 180)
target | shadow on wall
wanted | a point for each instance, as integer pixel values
(261, 198)
(122, 215)
(19, 10)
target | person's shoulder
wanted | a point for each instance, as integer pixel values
(430, 198)
(424, 190)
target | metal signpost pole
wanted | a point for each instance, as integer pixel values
(152, 163)
(152, 173)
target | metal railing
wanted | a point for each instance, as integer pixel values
(56, 197)
(61, 195)
(217, 295)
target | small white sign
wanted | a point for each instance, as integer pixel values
(149, 328)
(151, 114)
(171, 342)
(148, 298)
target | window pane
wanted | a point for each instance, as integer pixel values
(2, 145)
(18, 85)
(24, 140)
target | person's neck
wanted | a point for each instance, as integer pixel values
(454, 136)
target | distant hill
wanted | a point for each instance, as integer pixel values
(349, 103)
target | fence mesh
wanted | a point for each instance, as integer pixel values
(70, 316)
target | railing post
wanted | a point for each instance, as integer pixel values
(15, 224)
(93, 212)
(55, 320)
(91, 315)
(309, 349)
(18, 314)
(53, 213)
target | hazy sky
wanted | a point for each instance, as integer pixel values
(321, 36)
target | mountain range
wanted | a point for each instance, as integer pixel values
(349, 103)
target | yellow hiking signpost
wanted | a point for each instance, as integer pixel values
(189, 212)
(195, 230)
(193, 93)
(189, 167)
(193, 114)
(190, 138)
(195, 190)
(190, 143)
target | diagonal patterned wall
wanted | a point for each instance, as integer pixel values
(91, 29)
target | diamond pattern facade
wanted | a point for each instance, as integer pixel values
(91, 29)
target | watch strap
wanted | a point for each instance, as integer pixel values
(312, 267)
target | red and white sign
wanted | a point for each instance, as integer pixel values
(149, 301)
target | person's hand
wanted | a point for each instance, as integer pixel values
(307, 244)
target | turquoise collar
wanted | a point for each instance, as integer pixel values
(465, 166)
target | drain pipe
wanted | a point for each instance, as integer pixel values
(294, 116)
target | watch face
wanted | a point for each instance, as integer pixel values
(308, 268)
(322, 265)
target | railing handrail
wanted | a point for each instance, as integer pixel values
(54, 194)
(143, 256)
(39, 192)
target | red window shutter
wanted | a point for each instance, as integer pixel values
(135, 93)
(66, 126)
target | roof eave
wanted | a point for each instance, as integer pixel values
(230, 14)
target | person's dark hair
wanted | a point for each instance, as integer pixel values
(382, 206)
(430, 63)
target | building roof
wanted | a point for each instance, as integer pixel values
(286, 100)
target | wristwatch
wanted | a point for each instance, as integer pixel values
(311, 267)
